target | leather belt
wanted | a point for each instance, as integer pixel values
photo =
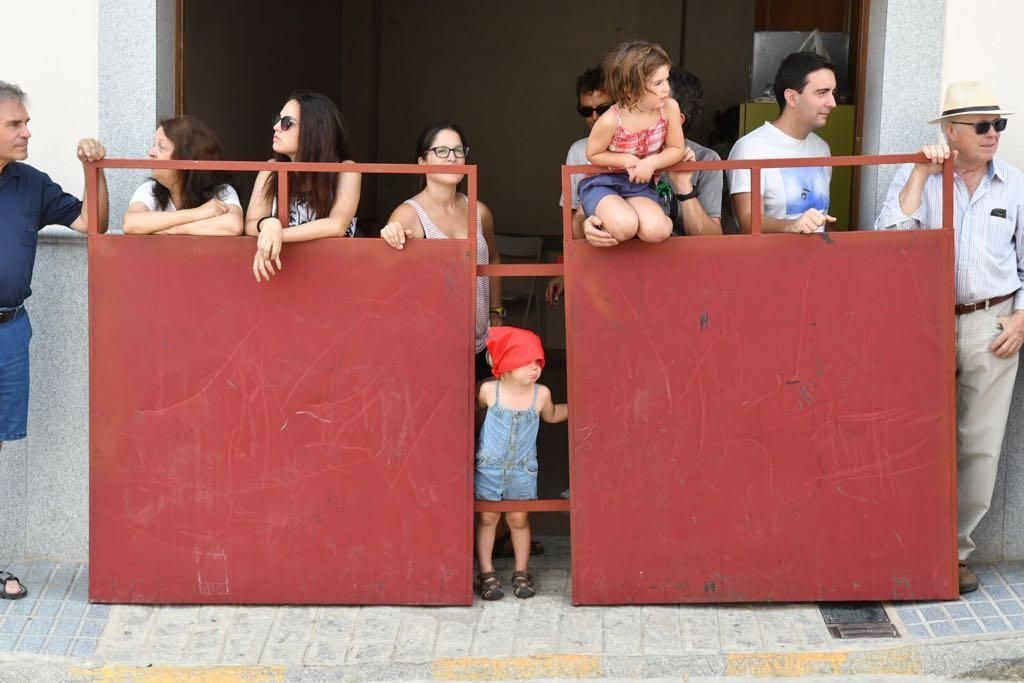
(981, 305)
(10, 314)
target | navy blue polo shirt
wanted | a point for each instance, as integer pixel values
(29, 200)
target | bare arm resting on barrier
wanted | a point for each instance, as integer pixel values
(696, 220)
(403, 224)
(549, 411)
(904, 208)
(809, 221)
(211, 218)
(91, 150)
(271, 234)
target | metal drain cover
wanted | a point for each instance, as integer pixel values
(836, 613)
(864, 631)
(857, 620)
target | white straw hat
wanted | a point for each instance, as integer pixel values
(969, 97)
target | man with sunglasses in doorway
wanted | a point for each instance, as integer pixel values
(591, 102)
(988, 218)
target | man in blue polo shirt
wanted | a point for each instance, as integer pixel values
(29, 200)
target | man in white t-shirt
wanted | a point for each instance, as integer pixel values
(794, 199)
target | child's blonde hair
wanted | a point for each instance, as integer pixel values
(628, 67)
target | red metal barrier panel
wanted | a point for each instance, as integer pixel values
(763, 418)
(306, 440)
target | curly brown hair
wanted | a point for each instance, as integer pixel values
(628, 67)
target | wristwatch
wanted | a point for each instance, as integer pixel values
(500, 312)
(692, 194)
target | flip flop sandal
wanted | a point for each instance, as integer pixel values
(490, 586)
(522, 585)
(4, 595)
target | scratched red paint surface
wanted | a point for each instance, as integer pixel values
(302, 441)
(762, 418)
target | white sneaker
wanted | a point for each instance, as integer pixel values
(564, 494)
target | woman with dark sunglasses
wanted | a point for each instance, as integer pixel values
(308, 128)
(440, 211)
(184, 202)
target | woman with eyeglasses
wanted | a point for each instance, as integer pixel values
(440, 211)
(308, 128)
(184, 202)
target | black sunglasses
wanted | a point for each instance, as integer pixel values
(285, 121)
(460, 152)
(981, 127)
(587, 112)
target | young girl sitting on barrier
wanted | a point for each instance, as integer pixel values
(506, 460)
(642, 133)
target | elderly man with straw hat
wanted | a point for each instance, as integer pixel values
(988, 218)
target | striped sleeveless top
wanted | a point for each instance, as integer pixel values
(642, 143)
(483, 257)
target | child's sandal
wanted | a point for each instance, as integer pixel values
(522, 585)
(490, 586)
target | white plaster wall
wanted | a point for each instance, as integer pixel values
(59, 69)
(983, 43)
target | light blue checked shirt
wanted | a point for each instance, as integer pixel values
(989, 246)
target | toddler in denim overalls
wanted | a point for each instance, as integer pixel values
(506, 461)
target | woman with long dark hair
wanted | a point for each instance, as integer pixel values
(184, 202)
(308, 128)
(440, 211)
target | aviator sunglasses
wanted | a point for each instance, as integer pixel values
(981, 127)
(285, 121)
(587, 112)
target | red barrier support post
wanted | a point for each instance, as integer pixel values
(92, 197)
(283, 203)
(756, 200)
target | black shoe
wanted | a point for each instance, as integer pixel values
(968, 579)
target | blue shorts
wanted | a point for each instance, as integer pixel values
(596, 187)
(14, 337)
(498, 479)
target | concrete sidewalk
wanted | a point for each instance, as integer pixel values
(56, 635)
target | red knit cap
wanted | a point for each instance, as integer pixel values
(511, 348)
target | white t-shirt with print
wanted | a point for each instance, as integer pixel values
(144, 195)
(787, 192)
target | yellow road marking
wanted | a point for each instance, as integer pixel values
(541, 666)
(176, 674)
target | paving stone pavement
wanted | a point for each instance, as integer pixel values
(56, 620)
(996, 607)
